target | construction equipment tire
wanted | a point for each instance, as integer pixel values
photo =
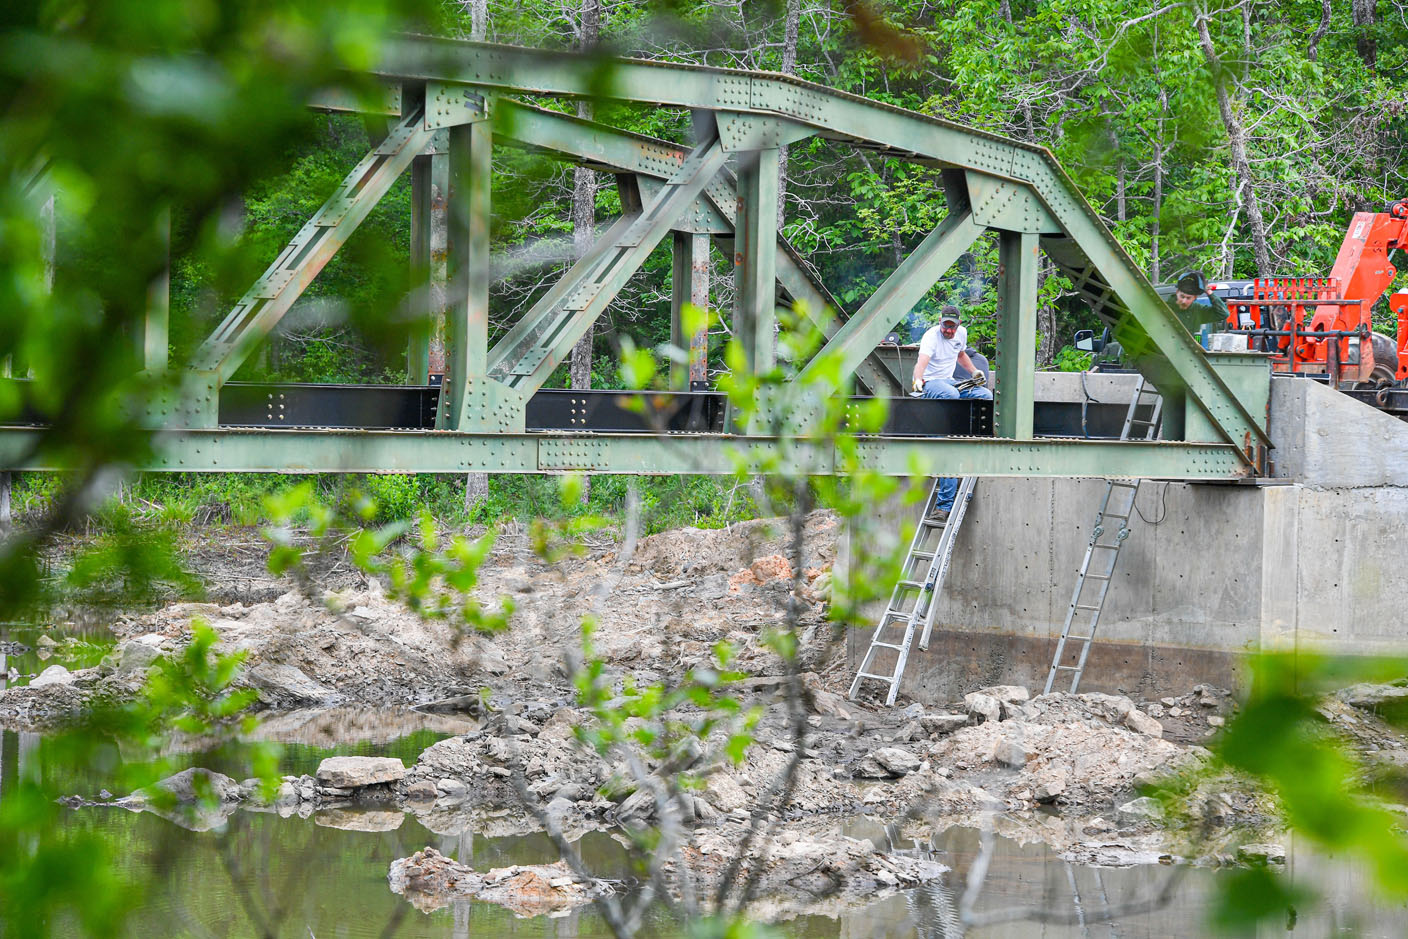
(1385, 371)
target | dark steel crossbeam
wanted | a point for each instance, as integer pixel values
(382, 407)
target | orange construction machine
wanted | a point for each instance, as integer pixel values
(1324, 325)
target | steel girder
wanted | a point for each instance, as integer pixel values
(1144, 319)
(374, 451)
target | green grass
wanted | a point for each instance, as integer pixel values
(184, 500)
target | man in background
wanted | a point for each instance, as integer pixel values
(942, 349)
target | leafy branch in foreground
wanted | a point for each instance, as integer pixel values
(435, 582)
(1281, 742)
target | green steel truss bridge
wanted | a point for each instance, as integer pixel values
(484, 408)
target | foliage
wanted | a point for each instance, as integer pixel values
(1281, 742)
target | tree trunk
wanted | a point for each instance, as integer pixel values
(584, 186)
(478, 18)
(1312, 51)
(476, 485)
(1121, 187)
(1237, 139)
(1155, 274)
(789, 67)
(1045, 319)
(1365, 14)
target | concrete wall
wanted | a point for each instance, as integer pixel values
(1209, 573)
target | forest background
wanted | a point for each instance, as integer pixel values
(1236, 139)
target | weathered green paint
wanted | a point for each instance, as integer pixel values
(334, 451)
(467, 321)
(899, 293)
(1016, 335)
(755, 259)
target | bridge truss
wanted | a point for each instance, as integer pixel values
(449, 102)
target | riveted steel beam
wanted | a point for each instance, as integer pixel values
(469, 399)
(334, 451)
(1016, 334)
(430, 190)
(899, 293)
(755, 260)
(857, 119)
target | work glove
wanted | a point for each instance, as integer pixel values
(917, 386)
(980, 380)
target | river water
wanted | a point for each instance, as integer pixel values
(294, 877)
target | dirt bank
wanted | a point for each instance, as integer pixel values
(1058, 768)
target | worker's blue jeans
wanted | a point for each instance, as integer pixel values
(938, 388)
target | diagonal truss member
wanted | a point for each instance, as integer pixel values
(525, 357)
(266, 303)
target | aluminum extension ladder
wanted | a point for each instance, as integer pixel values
(911, 605)
(1116, 507)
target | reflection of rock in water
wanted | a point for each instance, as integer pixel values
(429, 880)
(361, 819)
(331, 727)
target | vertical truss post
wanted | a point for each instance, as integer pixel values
(467, 324)
(153, 345)
(430, 184)
(755, 258)
(1016, 334)
(691, 285)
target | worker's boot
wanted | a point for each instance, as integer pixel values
(937, 514)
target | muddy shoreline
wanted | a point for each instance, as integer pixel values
(1060, 769)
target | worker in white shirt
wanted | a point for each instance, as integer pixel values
(942, 348)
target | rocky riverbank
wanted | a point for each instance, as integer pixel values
(1061, 769)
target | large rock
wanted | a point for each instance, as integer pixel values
(354, 772)
(1139, 722)
(896, 761)
(53, 675)
(1371, 696)
(1141, 809)
(282, 685)
(1007, 694)
(195, 783)
(1010, 751)
(941, 724)
(724, 793)
(135, 656)
(983, 707)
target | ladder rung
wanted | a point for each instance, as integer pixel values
(935, 523)
(1066, 668)
(926, 555)
(1093, 609)
(911, 583)
(888, 678)
(1074, 638)
(885, 645)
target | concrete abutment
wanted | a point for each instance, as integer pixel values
(1315, 557)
